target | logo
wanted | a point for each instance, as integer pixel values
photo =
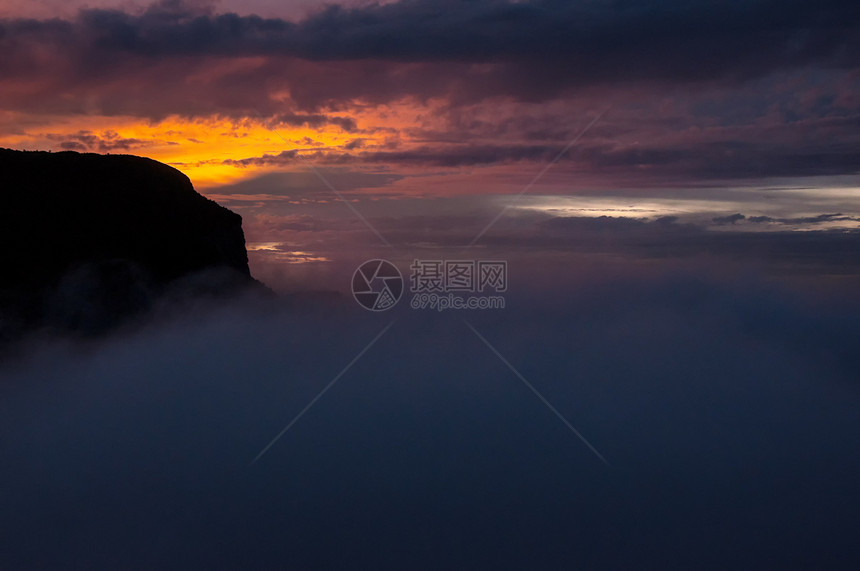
(377, 285)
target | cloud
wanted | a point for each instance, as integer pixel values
(726, 220)
(697, 91)
(104, 142)
(735, 38)
(354, 144)
(315, 121)
(820, 219)
(701, 392)
(696, 160)
(305, 183)
(527, 50)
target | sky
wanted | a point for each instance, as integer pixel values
(726, 117)
(671, 383)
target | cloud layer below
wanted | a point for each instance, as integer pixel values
(727, 412)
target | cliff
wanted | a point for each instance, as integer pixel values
(87, 240)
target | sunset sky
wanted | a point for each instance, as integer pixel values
(432, 116)
(667, 376)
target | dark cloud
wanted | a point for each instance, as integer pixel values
(354, 144)
(821, 218)
(283, 158)
(597, 39)
(105, 142)
(775, 253)
(726, 220)
(444, 156)
(601, 224)
(315, 121)
(305, 183)
(733, 157)
(666, 220)
(697, 160)
(529, 49)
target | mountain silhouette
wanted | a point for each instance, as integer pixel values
(88, 240)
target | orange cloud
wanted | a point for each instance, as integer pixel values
(215, 151)
(200, 148)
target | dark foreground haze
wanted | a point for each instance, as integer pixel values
(726, 409)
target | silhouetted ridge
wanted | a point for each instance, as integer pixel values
(107, 231)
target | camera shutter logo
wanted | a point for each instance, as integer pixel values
(377, 285)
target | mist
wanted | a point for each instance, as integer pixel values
(725, 408)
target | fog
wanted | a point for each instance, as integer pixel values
(725, 408)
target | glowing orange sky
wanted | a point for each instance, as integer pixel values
(195, 147)
(199, 147)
